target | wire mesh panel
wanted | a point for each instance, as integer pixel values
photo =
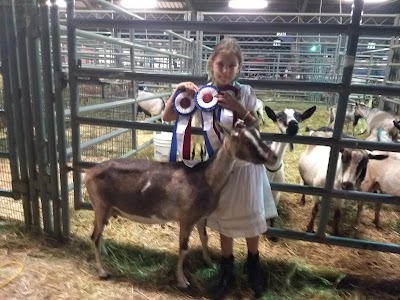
(10, 209)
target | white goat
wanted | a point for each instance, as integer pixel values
(350, 171)
(152, 107)
(288, 123)
(159, 192)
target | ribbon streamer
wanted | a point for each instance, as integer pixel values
(184, 106)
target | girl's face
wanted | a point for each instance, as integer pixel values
(225, 67)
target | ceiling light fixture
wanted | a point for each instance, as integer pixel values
(60, 3)
(369, 1)
(139, 4)
(248, 4)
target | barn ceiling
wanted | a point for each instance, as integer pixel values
(290, 6)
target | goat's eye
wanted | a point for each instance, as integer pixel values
(345, 157)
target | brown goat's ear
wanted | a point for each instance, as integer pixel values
(396, 124)
(225, 130)
(377, 155)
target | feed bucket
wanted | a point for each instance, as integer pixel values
(162, 145)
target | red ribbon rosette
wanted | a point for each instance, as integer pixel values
(233, 91)
(184, 103)
(205, 99)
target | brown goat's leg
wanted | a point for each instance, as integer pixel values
(201, 228)
(336, 221)
(314, 212)
(101, 216)
(358, 217)
(184, 233)
(302, 201)
(377, 220)
(310, 226)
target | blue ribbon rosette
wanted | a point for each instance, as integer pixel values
(184, 105)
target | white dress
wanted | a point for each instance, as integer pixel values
(246, 201)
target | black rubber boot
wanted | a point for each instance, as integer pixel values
(254, 274)
(225, 278)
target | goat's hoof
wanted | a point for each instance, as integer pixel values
(301, 203)
(273, 239)
(104, 275)
(183, 286)
(309, 230)
(378, 227)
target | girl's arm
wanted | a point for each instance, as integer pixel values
(168, 113)
(248, 116)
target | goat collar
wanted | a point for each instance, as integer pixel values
(274, 171)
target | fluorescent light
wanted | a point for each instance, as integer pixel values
(140, 4)
(248, 4)
(60, 3)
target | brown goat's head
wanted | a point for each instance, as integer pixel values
(354, 166)
(244, 143)
(359, 112)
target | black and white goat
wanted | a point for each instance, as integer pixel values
(350, 171)
(159, 192)
(152, 107)
(288, 122)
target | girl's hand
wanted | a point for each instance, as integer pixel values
(168, 112)
(188, 86)
(226, 100)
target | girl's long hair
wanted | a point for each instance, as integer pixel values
(229, 45)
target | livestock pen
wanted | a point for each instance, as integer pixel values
(75, 96)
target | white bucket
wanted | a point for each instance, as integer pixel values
(162, 145)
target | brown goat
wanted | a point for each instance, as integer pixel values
(350, 171)
(377, 118)
(380, 176)
(159, 192)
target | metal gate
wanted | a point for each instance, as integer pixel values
(34, 113)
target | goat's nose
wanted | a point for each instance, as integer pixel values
(347, 185)
(293, 127)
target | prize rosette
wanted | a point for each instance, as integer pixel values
(207, 102)
(232, 90)
(205, 98)
(184, 106)
(226, 116)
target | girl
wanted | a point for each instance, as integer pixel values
(246, 201)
